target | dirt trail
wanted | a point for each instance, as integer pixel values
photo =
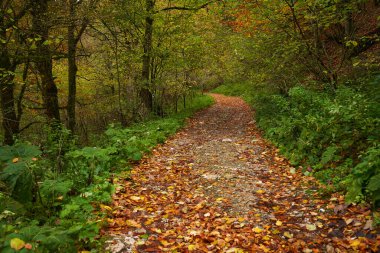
(218, 186)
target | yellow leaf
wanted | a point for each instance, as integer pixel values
(135, 198)
(192, 247)
(149, 221)
(137, 209)
(133, 223)
(230, 220)
(108, 208)
(288, 235)
(278, 223)
(311, 227)
(319, 224)
(165, 243)
(265, 249)
(235, 250)
(199, 205)
(17, 244)
(157, 230)
(257, 230)
(355, 243)
(260, 191)
(266, 238)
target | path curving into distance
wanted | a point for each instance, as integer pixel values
(218, 186)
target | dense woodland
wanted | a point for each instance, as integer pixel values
(89, 86)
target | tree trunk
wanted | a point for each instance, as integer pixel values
(145, 93)
(11, 123)
(73, 69)
(43, 60)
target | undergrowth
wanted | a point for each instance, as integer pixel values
(333, 135)
(54, 198)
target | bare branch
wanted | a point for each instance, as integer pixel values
(184, 8)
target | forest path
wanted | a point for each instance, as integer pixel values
(218, 186)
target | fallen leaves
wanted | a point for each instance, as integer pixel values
(255, 202)
(133, 223)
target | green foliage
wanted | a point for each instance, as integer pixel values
(86, 163)
(16, 170)
(42, 238)
(318, 129)
(365, 177)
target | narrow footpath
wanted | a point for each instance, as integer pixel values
(218, 186)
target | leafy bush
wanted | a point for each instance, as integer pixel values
(365, 177)
(17, 170)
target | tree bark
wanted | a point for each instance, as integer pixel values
(10, 121)
(11, 124)
(145, 93)
(43, 60)
(73, 69)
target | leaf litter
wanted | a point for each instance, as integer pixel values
(218, 186)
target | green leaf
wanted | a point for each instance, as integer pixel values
(136, 156)
(47, 42)
(51, 187)
(374, 183)
(19, 180)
